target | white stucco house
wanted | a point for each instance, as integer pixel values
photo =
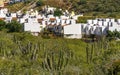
(72, 30)
(99, 26)
(34, 28)
(32, 25)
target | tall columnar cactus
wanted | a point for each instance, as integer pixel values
(89, 53)
(29, 50)
(6, 47)
(96, 49)
(97, 57)
(55, 61)
(2, 51)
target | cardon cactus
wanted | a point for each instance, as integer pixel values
(29, 50)
(55, 61)
(96, 49)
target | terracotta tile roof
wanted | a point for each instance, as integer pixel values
(2, 18)
(52, 19)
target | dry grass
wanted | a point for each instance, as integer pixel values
(15, 7)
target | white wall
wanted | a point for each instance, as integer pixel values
(32, 27)
(72, 29)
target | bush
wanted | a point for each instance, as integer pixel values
(82, 2)
(113, 35)
(14, 26)
(84, 19)
(2, 25)
(39, 3)
(112, 15)
(57, 12)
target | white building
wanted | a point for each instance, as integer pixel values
(73, 30)
(33, 26)
(100, 26)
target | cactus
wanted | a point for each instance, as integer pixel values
(29, 50)
(55, 61)
(96, 49)
(87, 57)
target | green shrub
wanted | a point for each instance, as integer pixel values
(57, 12)
(2, 25)
(14, 26)
(84, 19)
(39, 3)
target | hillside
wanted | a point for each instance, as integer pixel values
(110, 8)
(24, 54)
(49, 53)
(95, 7)
(88, 7)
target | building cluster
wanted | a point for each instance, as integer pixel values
(66, 24)
(35, 22)
(100, 26)
(7, 16)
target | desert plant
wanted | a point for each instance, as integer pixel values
(55, 62)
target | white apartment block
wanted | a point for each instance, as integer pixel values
(100, 26)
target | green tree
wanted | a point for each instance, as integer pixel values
(2, 24)
(14, 26)
(109, 33)
(39, 3)
(57, 12)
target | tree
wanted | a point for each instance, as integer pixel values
(113, 35)
(14, 26)
(109, 33)
(39, 3)
(57, 12)
(2, 24)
